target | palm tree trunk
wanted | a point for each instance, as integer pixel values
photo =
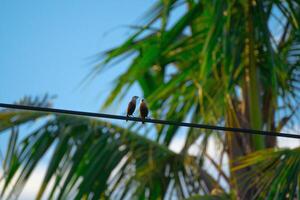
(252, 81)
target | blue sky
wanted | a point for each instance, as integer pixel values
(45, 46)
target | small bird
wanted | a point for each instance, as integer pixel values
(131, 106)
(143, 110)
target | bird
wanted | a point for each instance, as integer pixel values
(143, 110)
(131, 106)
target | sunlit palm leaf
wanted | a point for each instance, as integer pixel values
(275, 173)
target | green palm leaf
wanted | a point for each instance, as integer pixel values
(276, 173)
(93, 159)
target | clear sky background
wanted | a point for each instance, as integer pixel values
(45, 47)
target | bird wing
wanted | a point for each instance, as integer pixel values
(143, 110)
(130, 108)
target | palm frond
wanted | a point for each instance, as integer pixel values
(94, 159)
(274, 173)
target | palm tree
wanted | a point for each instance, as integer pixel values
(233, 63)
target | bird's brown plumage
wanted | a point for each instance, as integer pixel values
(143, 110)
(131, 106)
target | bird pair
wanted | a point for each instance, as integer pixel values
(143, 108)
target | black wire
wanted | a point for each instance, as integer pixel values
(154, 121)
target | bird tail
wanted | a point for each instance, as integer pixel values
(127, 118)
(143, 120)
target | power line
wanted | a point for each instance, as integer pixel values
(154, 121)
